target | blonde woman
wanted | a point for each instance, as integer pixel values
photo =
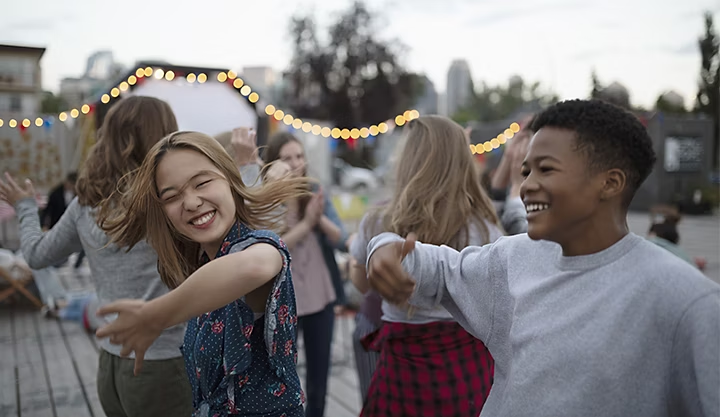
(429, 365)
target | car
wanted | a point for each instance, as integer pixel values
(355, 179)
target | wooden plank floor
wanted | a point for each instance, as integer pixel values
(48, 366)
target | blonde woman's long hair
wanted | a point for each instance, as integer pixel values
(141, 214)
(437, 191)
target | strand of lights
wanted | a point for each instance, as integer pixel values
(495, 142)
(338, 133)
(230, 77)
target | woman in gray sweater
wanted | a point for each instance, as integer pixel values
(130, 129)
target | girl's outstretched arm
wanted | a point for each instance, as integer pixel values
(212, 286)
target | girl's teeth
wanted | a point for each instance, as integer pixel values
(204, 219)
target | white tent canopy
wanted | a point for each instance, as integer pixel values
(210, 107)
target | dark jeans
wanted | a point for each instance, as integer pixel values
(317, 333)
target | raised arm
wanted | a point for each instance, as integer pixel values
(332, 226)
(469, 284)
(212, 286)
(42, 249)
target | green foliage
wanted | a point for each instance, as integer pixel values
(497, 102)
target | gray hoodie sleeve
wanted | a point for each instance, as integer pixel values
(39, 249)
(469, 284)
(694, 385)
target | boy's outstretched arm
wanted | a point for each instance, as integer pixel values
(469, 284)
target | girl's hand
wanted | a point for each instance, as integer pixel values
(132, 329)
(11, 192)
(314, 209)
(244, 141)
(517, 156)
(278, 170)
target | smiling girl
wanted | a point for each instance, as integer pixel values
(232, 282)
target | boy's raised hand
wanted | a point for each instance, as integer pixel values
(386, 274)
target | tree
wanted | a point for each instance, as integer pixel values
(708, 96)
(52, 104)
(354, 79)
(596, 86)
(489, 103)
(670, 102)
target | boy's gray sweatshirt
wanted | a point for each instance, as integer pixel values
(628, 331)
(117, 273)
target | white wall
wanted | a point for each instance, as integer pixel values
(210, 108)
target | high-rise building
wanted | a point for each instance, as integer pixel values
(427, 102)
(261, 79)
(100, 70)
(459, 86)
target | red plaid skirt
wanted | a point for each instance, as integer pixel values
(434, 369)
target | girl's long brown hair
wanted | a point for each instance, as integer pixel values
(141, 215)
(272, 154)
(130, 128)
(437, 192)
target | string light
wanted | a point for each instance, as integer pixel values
(496, 142)
(245, 90)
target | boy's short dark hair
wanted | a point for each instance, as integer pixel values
(610, 137)
(71, 177)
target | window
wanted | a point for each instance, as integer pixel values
(15, 103)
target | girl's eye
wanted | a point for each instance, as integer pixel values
(170, 199)
(545, 169)
(203, 183)
(525, 172)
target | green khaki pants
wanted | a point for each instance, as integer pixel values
(161, 389)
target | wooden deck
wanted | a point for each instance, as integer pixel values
(48, 367)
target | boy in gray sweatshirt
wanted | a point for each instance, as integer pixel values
(582, 317)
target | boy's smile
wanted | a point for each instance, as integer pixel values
(560, 193)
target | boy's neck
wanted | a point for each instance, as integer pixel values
(597, 235)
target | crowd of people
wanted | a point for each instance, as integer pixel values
(526, 297)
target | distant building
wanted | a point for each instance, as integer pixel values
(20, 81)
(100, 70)
(427, 102)
(261, 79)
(459, 86)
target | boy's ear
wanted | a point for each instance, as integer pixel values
(614, 184)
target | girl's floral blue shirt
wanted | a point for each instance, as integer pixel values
(238, 365)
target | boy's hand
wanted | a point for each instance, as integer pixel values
(386, 274)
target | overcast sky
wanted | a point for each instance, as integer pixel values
(650, 46)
